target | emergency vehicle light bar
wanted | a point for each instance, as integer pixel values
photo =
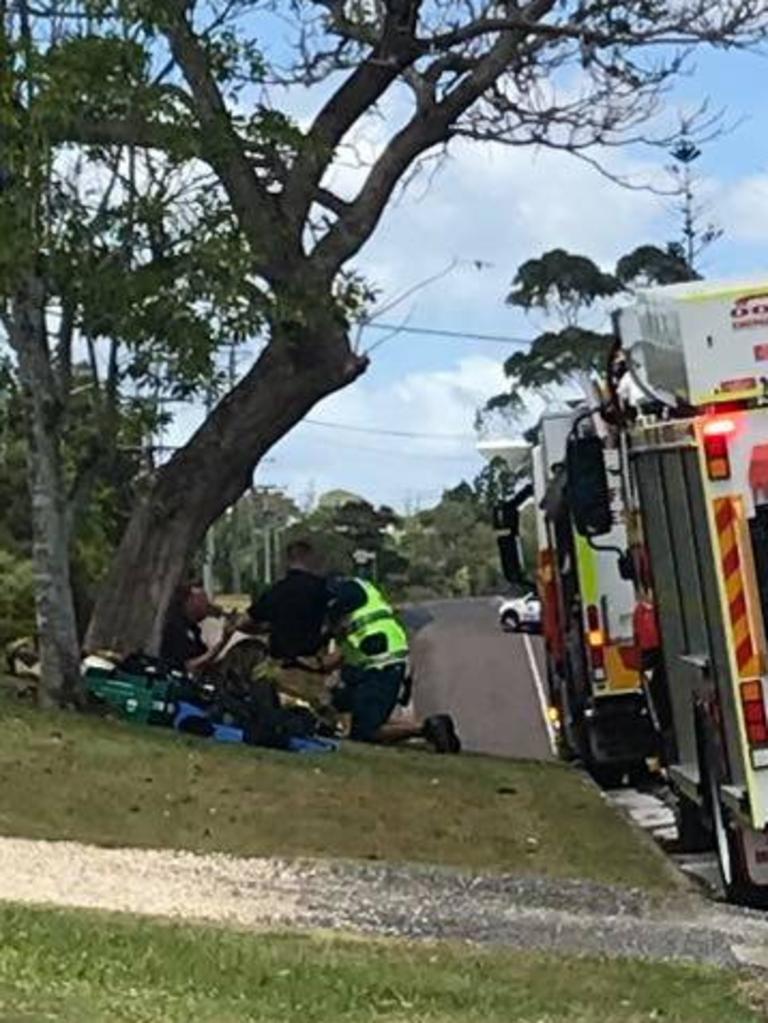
(716, 433)
(719, 428)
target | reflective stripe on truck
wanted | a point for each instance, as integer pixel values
(728, 519)
(742, 627)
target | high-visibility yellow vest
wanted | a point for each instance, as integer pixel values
(375, 617)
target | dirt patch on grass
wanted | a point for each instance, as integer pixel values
(106, 783)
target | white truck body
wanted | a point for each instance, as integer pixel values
(697, 340)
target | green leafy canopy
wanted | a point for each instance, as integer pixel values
(567, 288)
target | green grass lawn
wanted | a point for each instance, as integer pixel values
(88, 968)
(68, 777)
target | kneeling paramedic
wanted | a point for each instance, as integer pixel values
(373, 657)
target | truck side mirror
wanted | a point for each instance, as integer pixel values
(587, 481)
(506, 516)
(509, 554)
(627, 567)
(506, 522)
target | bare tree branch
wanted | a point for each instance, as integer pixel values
(394, 51)
(420, 134)
(476, 69)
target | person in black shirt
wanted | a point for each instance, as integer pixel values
(294, 612)
(294, 609)
(182, 645)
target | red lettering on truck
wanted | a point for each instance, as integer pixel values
(750, 311)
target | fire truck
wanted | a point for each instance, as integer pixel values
(652, 509)
(585, 582)
(596, 686)
(687, 404)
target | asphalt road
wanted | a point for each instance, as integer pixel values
(463, 663)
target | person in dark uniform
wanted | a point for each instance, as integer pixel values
(293, 612)
(294, 609)
(182, 645)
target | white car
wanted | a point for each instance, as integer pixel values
(520, 614)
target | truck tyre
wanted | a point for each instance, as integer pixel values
(742, 890)
(692, 834)
(608, 776)
(567, 747)
(510, 621)
(731, 859)
(639, 775)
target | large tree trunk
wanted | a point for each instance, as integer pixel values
(300, 366)
(55, 610)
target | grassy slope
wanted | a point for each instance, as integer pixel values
(62, 776)
(86, 968)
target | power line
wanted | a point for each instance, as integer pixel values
(400, 453)
(389, 433)
(462, 335)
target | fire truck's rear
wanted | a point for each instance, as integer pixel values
(695, 469)
(588, 602)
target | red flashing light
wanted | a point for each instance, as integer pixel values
(715, 433)
(754, 714)
(753, 708)
(719, 428)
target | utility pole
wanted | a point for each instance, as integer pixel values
(278, 547)
(255, 566)
(266, 531)
(235, 550)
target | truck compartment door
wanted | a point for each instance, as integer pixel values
(677, 533)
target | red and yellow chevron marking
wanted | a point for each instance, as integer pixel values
(728, 541)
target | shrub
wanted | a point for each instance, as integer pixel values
(17, 597)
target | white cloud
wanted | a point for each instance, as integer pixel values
(500, 206)
(492, 204)
(387, 468)
(384, 468)
(443, 401)
(503, 206)
(743, 209)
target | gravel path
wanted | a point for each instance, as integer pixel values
(412, 902)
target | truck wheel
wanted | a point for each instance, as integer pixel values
(608, 776)
(731, 859)
(558, 697)
(692, 835)
(742, 889)
(510, 621)
(639, 775)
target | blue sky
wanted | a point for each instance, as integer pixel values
(501, 207)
